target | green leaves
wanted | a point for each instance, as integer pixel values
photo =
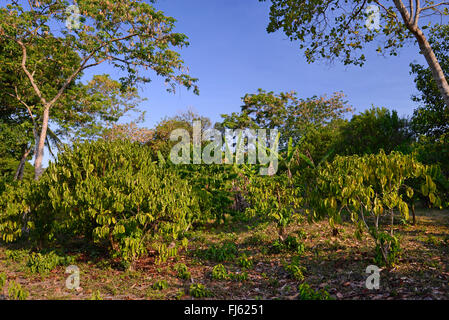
(431, 118)
(307, 293)
(108, 191)
(130, 35)
(409, 192)
(275, 198)
(374, 181)
(198, 290)
(328, 29)
(372, 185)
(212, 186)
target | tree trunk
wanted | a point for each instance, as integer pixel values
(392, 221)
(413, 213)
(426, 49)
(21, 167)
(434, 65)
(38, 170)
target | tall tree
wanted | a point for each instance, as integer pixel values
(161, 141)
(129, 35)
(431, 118)
(82, 112)
(292, 116)
(373, 130)
(339, 29)
(128, 131)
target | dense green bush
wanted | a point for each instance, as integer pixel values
(160, 285)
(370, 187)
(275, 198)
(16, 203)
(108, 192)
(373, 130)
(245, 262)
(388, 249)
(212, 187)
(16, 292)
(290, 244)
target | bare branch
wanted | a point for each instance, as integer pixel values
(28, 74)
(84, 66)
(418, 10)
(434, 6)
(387, 11)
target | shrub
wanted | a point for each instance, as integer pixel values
(165, 252)
(211, 186)
(276, 198)
(294, 269)
(307, 293)
(239, 276)
(160, 285)
(388, 250)
(245, 262)
(183, 272)
(290, 244)
(198, 290)
(16, 255)
(372, 185)
(219, 272)
(227, 251)
(16, 203)
(109, 192)
(38, 263)
(296, 272)
(44, 263)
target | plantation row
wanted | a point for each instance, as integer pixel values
(126, 199)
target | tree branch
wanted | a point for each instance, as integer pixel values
(417, 11)
(434, 6)
(28, 74)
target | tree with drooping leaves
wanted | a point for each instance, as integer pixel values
(371, 188)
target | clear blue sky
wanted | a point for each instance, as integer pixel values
(232, 54)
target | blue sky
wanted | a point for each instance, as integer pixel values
(232, 54)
